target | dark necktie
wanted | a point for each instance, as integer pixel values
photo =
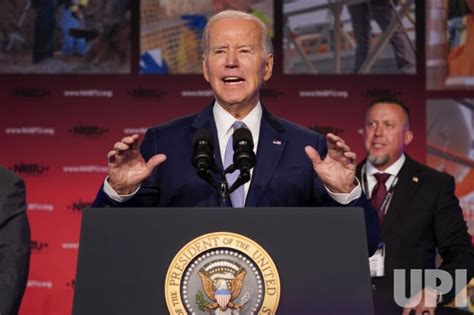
(378, 193)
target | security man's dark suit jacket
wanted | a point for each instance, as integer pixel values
(423, 217)
(283, 175)
(14, 242)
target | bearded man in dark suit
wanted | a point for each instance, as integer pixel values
(418, 210)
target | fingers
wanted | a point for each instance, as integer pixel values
(425, 311)
(155, 160)
(351, 156)
(316, 158)
(421, 311)
(313, 155)
(336, 142)
(127, 143)
(132, 140)
(111, 156)
(121, 147)
(332, 138)
(344, 147)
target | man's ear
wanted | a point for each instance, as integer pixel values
(408, 137)
(205, 69)
(268, 69)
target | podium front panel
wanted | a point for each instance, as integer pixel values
(320, 254)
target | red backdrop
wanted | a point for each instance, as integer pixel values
(58, 141)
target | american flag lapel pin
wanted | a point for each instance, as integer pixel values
(277, 142)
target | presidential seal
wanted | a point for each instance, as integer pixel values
(222, 274)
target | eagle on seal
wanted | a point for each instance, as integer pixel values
(219, 291)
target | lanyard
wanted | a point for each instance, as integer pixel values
(388, 197)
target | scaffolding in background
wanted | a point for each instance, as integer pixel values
(179, 44)
(328, 40)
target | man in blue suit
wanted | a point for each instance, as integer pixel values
(289, 170)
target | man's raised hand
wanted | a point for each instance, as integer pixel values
(127, 167)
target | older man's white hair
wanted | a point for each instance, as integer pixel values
(265, 39)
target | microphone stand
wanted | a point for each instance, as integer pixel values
(222, 187)
(242, 179)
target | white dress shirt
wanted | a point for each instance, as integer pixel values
(370, 170)
(224, 121)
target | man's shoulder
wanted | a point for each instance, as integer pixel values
(427, 171)
(172, 126)
(412, 166)
(7, 176)
(12, 194)
(293, 129)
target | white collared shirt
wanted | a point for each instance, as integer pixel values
(393, 170)
(224, 121)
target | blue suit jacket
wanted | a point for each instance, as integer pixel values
(283, 175)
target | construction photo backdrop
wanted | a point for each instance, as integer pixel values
(119, 67)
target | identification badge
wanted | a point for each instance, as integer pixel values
(377, 262)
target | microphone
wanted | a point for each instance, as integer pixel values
(203, 161)
(244, 157)
(203, 152)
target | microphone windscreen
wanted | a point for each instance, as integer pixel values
(203, 135)
(242, 134)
